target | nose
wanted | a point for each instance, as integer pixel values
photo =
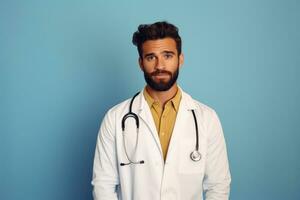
(160, 64)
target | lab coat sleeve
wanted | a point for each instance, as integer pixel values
(105, 174)
(216, 184)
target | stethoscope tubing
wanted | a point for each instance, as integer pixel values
(195, 155)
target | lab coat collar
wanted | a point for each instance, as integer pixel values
(186, 101)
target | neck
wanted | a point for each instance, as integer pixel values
(162, 96)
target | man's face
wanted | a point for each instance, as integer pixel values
(160, 63)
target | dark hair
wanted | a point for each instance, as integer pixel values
(157, 30)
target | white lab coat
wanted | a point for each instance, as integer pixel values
(178, 178)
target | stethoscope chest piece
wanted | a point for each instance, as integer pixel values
(195, 155)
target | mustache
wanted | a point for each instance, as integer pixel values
(160, 71)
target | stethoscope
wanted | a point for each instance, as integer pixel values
(195, 154)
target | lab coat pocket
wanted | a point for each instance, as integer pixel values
(186, 164)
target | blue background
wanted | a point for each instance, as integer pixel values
(65, 63)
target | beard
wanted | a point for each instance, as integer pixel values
(161, 85)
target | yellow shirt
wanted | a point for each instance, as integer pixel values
(164, 118)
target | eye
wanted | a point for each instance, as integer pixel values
(150, 58)
(168, 56)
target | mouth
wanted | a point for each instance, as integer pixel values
(161, 75)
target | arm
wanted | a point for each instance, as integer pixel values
(217, 178)
(105, 173)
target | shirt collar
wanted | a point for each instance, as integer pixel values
(175, 100)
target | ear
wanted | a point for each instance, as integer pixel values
(181, 59)
(141, 63)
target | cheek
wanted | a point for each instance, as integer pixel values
(147, 67)
(173, 63)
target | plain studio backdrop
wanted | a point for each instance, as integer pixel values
(64, 63)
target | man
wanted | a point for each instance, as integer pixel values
(160, 144)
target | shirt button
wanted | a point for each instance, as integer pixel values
(162, 133)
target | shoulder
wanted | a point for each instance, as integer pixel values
(113, 116)
(118, 109)
(196, 104)
(204, 112)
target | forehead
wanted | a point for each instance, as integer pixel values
(159, 45)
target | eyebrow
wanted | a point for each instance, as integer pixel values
(170, 52)
(152, 54)
(149, 54)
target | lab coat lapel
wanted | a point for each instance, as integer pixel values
(145, 115)
(182, 123)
